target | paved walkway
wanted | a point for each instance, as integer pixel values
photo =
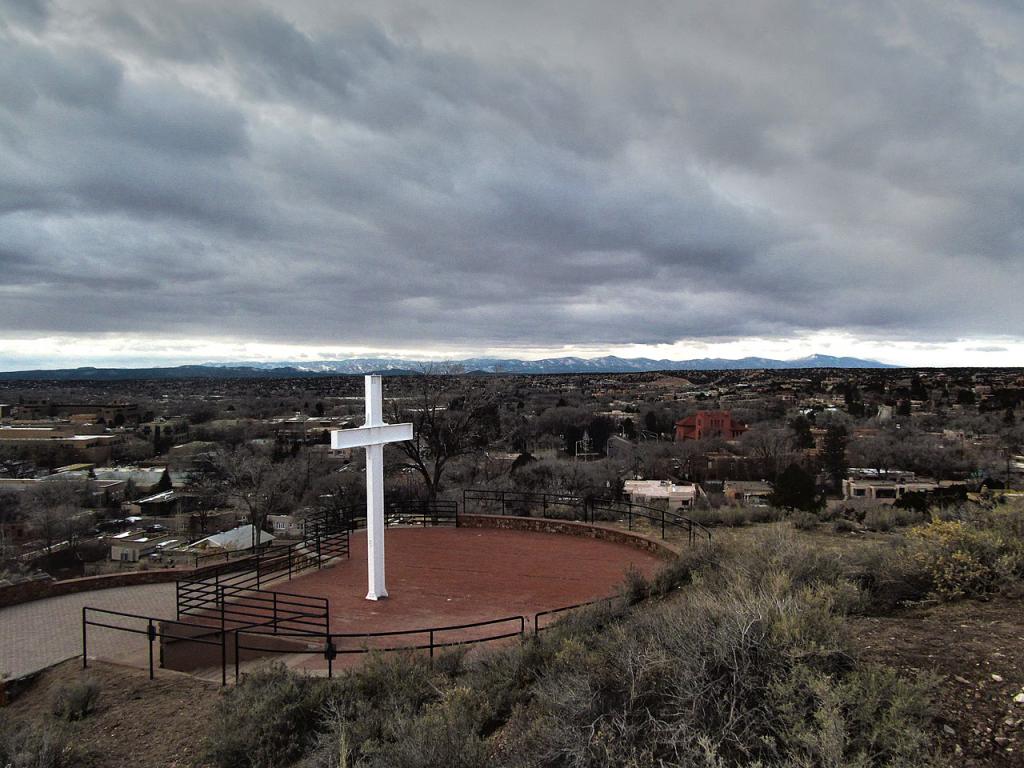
(37, 634)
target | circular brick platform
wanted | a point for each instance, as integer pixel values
(444, 576)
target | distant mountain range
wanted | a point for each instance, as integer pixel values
(399, 366)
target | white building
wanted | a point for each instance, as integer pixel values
(662, 491)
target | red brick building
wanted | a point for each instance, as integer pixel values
(709, 424)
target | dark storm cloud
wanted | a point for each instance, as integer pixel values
(486, 175)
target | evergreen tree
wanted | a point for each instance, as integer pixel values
(794, 489)
(802, 437)
(834, 454)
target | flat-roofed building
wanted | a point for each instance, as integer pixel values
(143, 480)
(755, 492)
(887, 487)
(662, 491)
(132, 546)
(40, 440)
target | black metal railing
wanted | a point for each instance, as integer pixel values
(263, 635)
(154, 629)
(336, 644)
(234, 605)
(582, 509)
(537, 628)
(521, 503)
(230, 599)
(433, 513)
(659, 519)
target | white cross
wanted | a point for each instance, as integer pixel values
(372, 436)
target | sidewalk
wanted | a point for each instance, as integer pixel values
(37, 634)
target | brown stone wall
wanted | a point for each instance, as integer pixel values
(569, 528)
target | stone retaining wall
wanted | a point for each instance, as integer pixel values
(569, 528)
(26, 592)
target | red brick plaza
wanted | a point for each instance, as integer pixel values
(445, 576)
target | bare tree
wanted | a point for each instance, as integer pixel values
(53, 508)
(772, 446)
(445, 424)
(259, 485)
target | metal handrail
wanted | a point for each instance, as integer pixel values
(331, 651)
(553, 611)
(587, 509)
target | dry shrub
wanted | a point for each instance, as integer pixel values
(75, 700)
(842, 525)
(634, 587)
(35, 746)
(804, 521)
(682, 570)
(886, 518)
(734, 516)
(962, 559)
(734, 672)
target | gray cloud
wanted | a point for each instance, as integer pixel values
(492, 175)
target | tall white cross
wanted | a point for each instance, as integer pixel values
(373, 435)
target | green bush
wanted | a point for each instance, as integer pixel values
(269, 719)
(441, 734)
(962, 559)
(369, 709)
(75, 700)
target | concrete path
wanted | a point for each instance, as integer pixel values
(37, 634)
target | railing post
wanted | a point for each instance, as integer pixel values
(236, 657)
(85, 649)
(431, 645)
(329, 653)
(275, 611)
(290, 558)
(151, 634)
(663, 523)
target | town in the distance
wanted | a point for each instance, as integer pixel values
(105, 477)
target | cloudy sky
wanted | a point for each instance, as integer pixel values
(184, 181)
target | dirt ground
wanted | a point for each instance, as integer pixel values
(977, 649)
(138, 721)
